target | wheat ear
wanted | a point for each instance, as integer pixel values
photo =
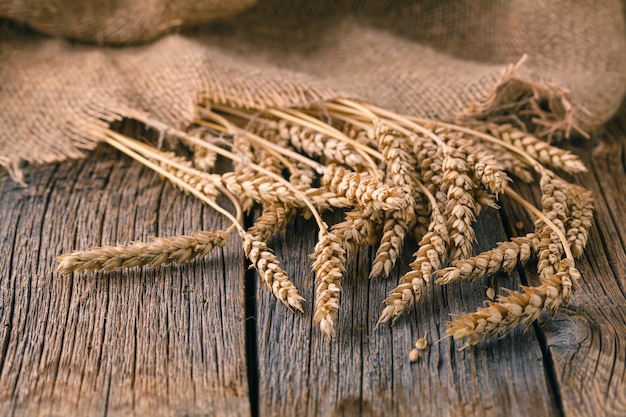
(502, 258)
(270, 272)
(516, 308)
(428, 258)
(400, 172)
(540, 150)
(329, 265)
(580, 202)
(554, 208)
(161, 251)
(460, 210)
(272, 220)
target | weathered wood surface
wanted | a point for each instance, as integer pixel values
(186, 340)
(165, 342)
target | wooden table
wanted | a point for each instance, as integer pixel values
(207, 339)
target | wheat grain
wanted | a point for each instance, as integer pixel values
(329, 265)
(422, 343)
(461, 207)
(161, 251)
(502, 258)
(428, 258)
(517, 308)
(270, 272)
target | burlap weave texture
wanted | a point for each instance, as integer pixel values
(429, 58)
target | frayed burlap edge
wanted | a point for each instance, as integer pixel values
(541, 106)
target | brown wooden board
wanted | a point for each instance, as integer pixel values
(178, 340)
(586, 342)
(168, 341)
(366, 371)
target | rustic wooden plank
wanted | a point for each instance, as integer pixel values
(365, 371)
(150, 342)
(586, 341)
(168, 342)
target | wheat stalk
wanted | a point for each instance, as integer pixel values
(394, 175)
(161, 251)
(428, 258)
(504, 257)
(270, 272)
(517, 308)
(329, 265)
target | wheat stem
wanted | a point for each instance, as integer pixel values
(305, 120)
(255, 167)
(210, 125)
(112, 138)
(359, 107)
(535, 211)
(294, 155)
(408, 122)
(489, 138)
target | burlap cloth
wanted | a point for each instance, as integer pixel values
(68, 67)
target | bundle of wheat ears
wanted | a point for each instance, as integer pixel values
(393, 175)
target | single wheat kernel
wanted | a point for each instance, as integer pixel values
(421, 343)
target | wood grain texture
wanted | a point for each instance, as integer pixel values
(172, 341)
(163, 342)
(573, 364)
(586, 341)
(365, 370)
